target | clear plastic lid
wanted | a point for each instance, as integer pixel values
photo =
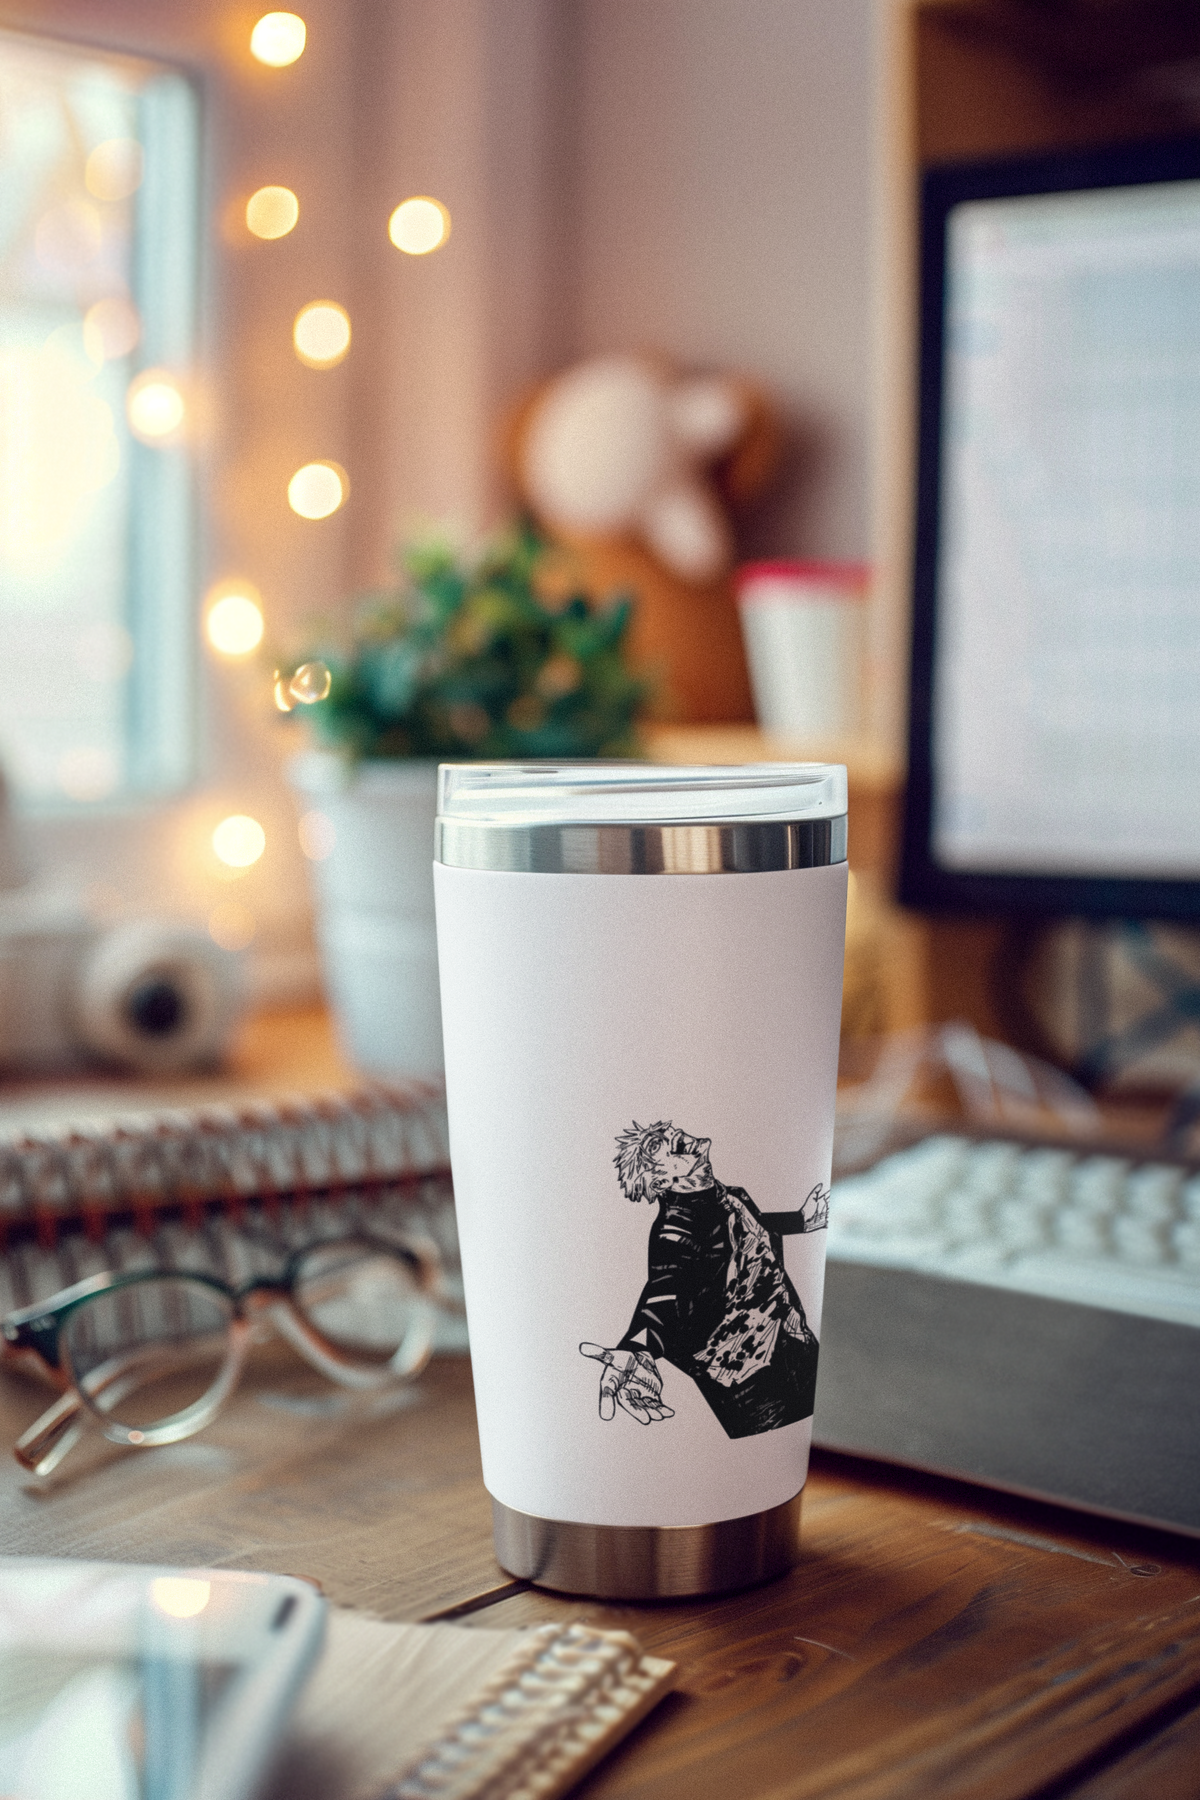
(629, 793)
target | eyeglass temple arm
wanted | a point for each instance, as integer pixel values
(48, 1439)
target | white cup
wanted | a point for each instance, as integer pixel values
(804, 627)
(641, 975)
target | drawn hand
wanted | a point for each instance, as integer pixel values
(630, 1379)
(815, 1211)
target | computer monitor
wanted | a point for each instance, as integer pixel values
(1055, 691)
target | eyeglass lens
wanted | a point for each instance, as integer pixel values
(360, 1298)
(148, 1351)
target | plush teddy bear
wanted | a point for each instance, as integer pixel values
(632, 466)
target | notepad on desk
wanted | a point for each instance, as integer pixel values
(407, 1712)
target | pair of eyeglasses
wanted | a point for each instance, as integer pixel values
(151, 1356)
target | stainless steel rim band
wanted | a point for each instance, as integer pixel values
(648, 1562)
(752, 847)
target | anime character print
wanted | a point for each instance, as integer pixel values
(718, 1304)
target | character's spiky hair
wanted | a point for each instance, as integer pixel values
(636, 1150)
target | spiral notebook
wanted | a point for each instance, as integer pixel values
(414, 1712)
(222, 1188)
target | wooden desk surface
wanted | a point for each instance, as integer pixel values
(935, 1640)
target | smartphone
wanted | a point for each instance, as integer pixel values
(125, 1683)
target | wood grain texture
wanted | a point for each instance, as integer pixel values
(386, 1511)
(934, 1641)
(1166, 1765)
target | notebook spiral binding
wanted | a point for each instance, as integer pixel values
(231, 1190)
(545, 1718)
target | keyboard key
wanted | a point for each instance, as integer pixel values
(1101, 1230)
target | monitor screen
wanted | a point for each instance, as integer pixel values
(1055, 714)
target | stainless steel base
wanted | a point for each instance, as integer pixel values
(648, 1562)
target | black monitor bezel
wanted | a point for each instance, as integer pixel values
(925, 883)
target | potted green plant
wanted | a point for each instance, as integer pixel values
(491, 657)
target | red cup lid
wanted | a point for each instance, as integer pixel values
(848, 578)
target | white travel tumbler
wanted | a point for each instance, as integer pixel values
(641, 972)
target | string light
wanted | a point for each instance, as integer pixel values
(239, 841)
(272, 212)
(318, 489)
(234, 620)
(419, 225)
(311, 682)
(321, 334)
(154, 406)
(278, 39)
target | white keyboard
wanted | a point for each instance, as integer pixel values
(1098, 1230)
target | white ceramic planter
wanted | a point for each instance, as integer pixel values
(374, 905)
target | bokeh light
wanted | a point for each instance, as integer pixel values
(180, 1596)
(232, 926)
(419, 225)
(233, 622)
(321, 334)
(318, 835)
(311, 682)
(111, 329)
(114, 169)
(278, 39)
(318, 489)
(272, 212)
(154, 406)
(239, 841)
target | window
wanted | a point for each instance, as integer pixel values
(98, 248)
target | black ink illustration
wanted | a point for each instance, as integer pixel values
(718, 1304)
